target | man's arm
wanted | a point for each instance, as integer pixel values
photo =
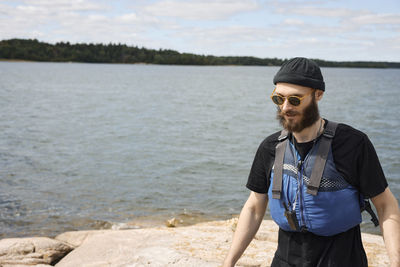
(389, 218)
(249, 221)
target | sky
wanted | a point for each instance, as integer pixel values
(339, 30)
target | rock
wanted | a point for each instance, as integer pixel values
(152, 247)
(233, 223)
(172, 222)
(76, 238)
(31, 251)
(375, 250)
(203, 244)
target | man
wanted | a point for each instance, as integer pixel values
(313, 174)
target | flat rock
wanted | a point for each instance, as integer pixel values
(375, 250)
(31, 251)
(203, 244)
(76, 238)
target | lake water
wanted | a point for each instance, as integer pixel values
(90, 146)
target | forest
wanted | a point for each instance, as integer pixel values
(34, 50)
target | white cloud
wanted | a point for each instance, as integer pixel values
(138, 19)
(200, 10)
(377, 19)
(320, 11)
(96, 18)
(347, 20)
(227, 34)
(223, 40)
(293, 22)
(36, 13)
(130, 17)
(63, 5)
(221, 27)
(73, 21)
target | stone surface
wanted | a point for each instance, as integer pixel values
(75, 239)
(203, 244)
(375, 249)
(171, 222)
(31, 251)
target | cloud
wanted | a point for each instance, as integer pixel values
(312, 9)
(139, 19)
(36, 13)
(262, 28)
(293, 22)
(377, 19)
(319, 11)
(227, 33)
(346, 19)
(64, 5)
(200, 10)
(73, 21)
(129, 17)
(223, 40)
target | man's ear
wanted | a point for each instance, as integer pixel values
(319, 94)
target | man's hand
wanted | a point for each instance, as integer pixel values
(389, 219)
(249, 221)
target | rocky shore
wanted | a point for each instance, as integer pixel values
(203, 244)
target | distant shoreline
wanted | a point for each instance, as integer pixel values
(34, 50)
(15, 60)
(154, 64)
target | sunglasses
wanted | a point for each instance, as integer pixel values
(293, 99)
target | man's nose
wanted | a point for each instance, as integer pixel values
(286, 105)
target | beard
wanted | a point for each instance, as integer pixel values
(309, 116)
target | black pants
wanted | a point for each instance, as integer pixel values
(309, 250)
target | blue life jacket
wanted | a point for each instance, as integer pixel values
(333, 208)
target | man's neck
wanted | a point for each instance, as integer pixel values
(310, 133)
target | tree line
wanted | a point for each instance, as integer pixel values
(34, 50)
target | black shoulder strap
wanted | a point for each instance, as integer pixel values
(320, 159)
(319, 164)
(367, 207)
(278, 165)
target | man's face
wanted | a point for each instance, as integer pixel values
(296, 118)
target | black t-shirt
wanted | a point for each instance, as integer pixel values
(356, 160)
(303, 148)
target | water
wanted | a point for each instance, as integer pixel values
(90, 146)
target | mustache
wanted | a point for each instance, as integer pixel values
(288, 113)
(308, 116)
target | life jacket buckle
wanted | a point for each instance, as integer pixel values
(303, 229)
(329, 133)
(276, 194)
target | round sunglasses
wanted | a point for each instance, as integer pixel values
(293, 99)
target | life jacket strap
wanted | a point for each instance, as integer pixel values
(319, 164)
(278, 164)
(320, 159)
(367, 207)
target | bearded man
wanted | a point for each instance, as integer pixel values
(315, 175)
